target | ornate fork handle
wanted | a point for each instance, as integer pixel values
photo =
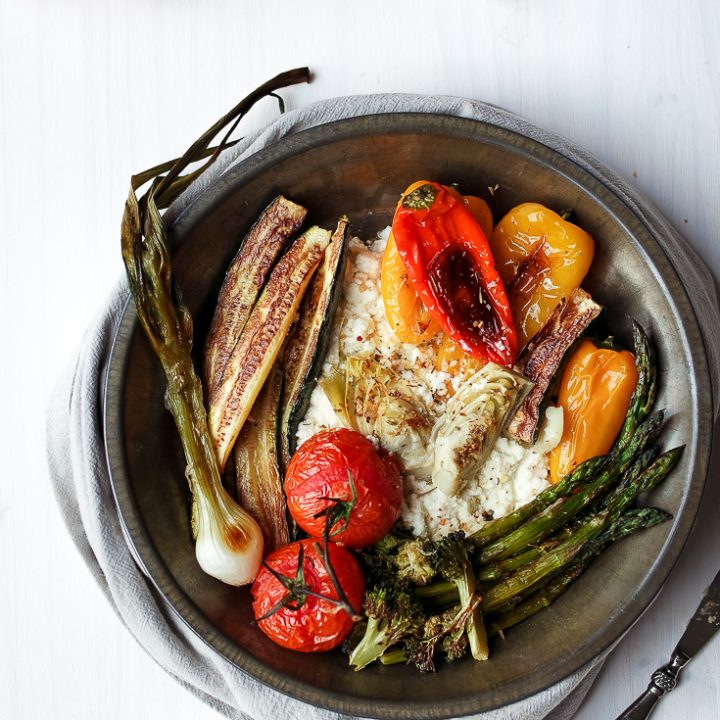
(663, 680)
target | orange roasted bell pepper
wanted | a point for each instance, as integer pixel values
(541, 258)
(595, 392)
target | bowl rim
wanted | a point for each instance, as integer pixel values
(642, 233)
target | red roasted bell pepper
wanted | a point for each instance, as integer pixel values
(451, 268)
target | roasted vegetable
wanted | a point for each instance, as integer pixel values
(595, 394)
(450, 267)
(542, 356)
(474, 418)
(258, 483)
(307, 344)
(307, 595)
(452, 359)
(340, 485)
(259, 345)
(451, 558)
(229, 542)
(393, 615)
(557, 515)
(244, 280)
(541, 258)
(631, 521)
(525, 560)
(405, 312)
(375, 400)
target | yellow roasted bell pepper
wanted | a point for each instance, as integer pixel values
(541, 258)
(595, 392)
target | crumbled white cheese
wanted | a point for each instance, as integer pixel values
(511, 475)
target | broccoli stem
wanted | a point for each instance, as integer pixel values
(475, 629)
(394, 657)
(374, 643)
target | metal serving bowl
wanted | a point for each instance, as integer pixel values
(358, 167)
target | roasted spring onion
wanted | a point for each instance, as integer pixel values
(256, 350)
(229, 542)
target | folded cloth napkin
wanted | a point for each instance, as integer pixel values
(78, 469)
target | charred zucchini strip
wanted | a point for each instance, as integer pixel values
(258, 482)
(259, 344)
(244, 280)
(541, 358)
(307, 344)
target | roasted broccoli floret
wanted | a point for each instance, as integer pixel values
(414, 563)
(445, 630)
(392, 616)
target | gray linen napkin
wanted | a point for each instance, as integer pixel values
(79, 473)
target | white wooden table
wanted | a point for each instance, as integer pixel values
(92, 91)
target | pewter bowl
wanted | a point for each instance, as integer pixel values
(358, 167)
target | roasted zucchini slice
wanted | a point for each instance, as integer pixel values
(307, 344)
(259, 344)
(543, 355)
(243, 282)
(257, 476)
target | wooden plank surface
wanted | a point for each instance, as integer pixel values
(92, 91)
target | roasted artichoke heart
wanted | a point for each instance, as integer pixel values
(374, 400)
(473, 420)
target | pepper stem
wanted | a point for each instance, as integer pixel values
(420, 198)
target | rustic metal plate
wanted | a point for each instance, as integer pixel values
(358, 167)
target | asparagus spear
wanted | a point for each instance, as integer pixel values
(555, 560)
(528, 576)
(495, 571)
(556, 516)
(502, 526)
(643, 397)
(631, 521)
(623, 496)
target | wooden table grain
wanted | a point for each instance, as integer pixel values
(93, 90)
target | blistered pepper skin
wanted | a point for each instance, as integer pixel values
(405, 312)
(541, 258)
(595, 392)
(449, 265)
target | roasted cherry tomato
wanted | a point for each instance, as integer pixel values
(296, 602)
(338, 478)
